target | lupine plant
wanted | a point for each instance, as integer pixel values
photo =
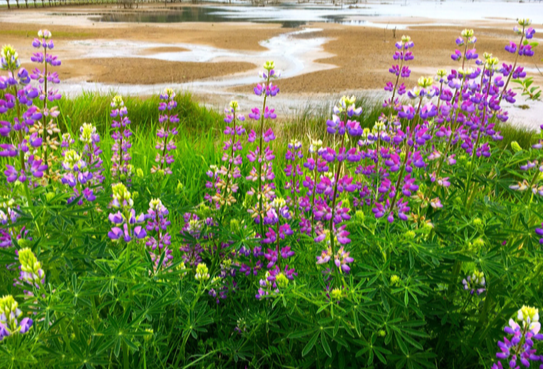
(404, 240)
(120, 160)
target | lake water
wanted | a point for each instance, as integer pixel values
(293, 14)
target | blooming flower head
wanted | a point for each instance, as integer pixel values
(9, 318)
(88, 133)
(342, 260)
(117, 102)
(121, 196)
(46, 34)
(167, 94)
(529, 317)
(278, 203)
(315, 146)
(9, 58)
(520, 346)
(405, 43)
(475, 283)
(347, 105)
(491, 63)
(156, 205)
(294, 144)
(72, 160)
(31, 270)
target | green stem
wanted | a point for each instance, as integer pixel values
(260, 158)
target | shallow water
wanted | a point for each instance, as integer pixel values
(293, 15)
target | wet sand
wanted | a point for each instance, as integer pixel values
(364, 54)
(18, 27)
(144, 71)
(361, 55)
(347, 59)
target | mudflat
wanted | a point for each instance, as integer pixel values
(360, 55)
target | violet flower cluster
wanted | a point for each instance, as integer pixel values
(31, 272)
(83, 172)
(165, 135)
(224, 179)
(159, 239)
(77, 176)
(10, 318)
(263, 174)
(193, 226)
(475, 283)
(8, 218)
(22, 144)
(47, 127)
(120, 159)
(125, 222)
(518, 349)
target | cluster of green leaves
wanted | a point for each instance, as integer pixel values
(402, 305)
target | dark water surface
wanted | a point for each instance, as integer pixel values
(205, 14)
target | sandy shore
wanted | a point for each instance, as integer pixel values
(363, 55)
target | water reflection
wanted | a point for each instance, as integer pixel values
(208, 14)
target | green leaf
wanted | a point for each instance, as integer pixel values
(309, 346)
(325, 345)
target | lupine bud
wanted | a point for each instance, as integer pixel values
(425, 82)
(28, 261)
(269, 65)
(467, 33)
(149, 334)
(180, 187)
(441, 73)
(410, 235)
(282, 280)
(23, 242)
(475, 283)
(359, 215)
(336, 294)
(515, 146)
(46, 34)
(382, 333)
(234, 225)
(394, 280)
(427, 228)
(524, 22)
(234, 105)
(49, 196)
(202, 273)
